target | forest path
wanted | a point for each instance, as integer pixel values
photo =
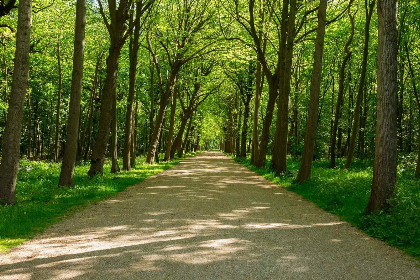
(206, 218)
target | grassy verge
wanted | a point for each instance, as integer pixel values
(41, 203)
(346, 193)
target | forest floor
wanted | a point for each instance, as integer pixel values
(206, 218)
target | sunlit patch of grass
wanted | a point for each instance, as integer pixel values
(41, 203)
(346, 194)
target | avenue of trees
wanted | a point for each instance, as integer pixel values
(88, 80)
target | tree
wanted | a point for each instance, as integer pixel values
(128, 131)
(361, 89)
(385, 164)
(340, 94)
(311, 122)
(11, 141)
(70, 150)
(118, 32)
(186, 22)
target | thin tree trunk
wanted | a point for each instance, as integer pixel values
(164, 100)
(108, 94)
(57, 117)
(133, 153)
(133, 53)
(171, 126)
(178, 139)
(181, 151)
(118, 33)
(340, 95)
(359, 98)
(385, 164)
(114, 138)
(310, 130)
(279, 159)
(258, 91)
(245, 125)
(11, 140)
(70, 150)
(265, 134)
(238, 121)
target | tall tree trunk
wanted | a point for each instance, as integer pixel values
(177, 144)
(238, 116)
(118, 32)
(134, 50)
(70, 150)
(57, 117)
(187, 135)
(385, 164)
(11, 140)
(340, 95)
(310, 130)
(171, 126)
(259, 83)
(265, 134)
(359, 98)
(133, 153)
(244, 134)
(164, 100)
(279, 145)
(114, 138)
(279, 159)
(108, 94)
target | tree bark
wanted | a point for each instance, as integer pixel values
(359, 98)
(279, 159)
(244, 134)
(104, 127)
(118, 34)
(70, 150)
(340, 95)
(265, 134)
(385, 164)
(115, 168)
(177, 144)
(259, 83)
(171, 126)
(133, 153)
(311, 122)
(164, 100)
(181, 150)
(11, 140)
(133, 54)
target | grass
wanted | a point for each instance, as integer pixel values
(41, 203)
(346, 194)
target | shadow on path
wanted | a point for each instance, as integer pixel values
(207, 218)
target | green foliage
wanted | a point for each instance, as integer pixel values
(41, 203)
(346, 193)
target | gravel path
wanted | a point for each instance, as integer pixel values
(206, 218)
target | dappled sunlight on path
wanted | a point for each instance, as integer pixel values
(207, 218)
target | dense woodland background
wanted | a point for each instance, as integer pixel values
(162, 78)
